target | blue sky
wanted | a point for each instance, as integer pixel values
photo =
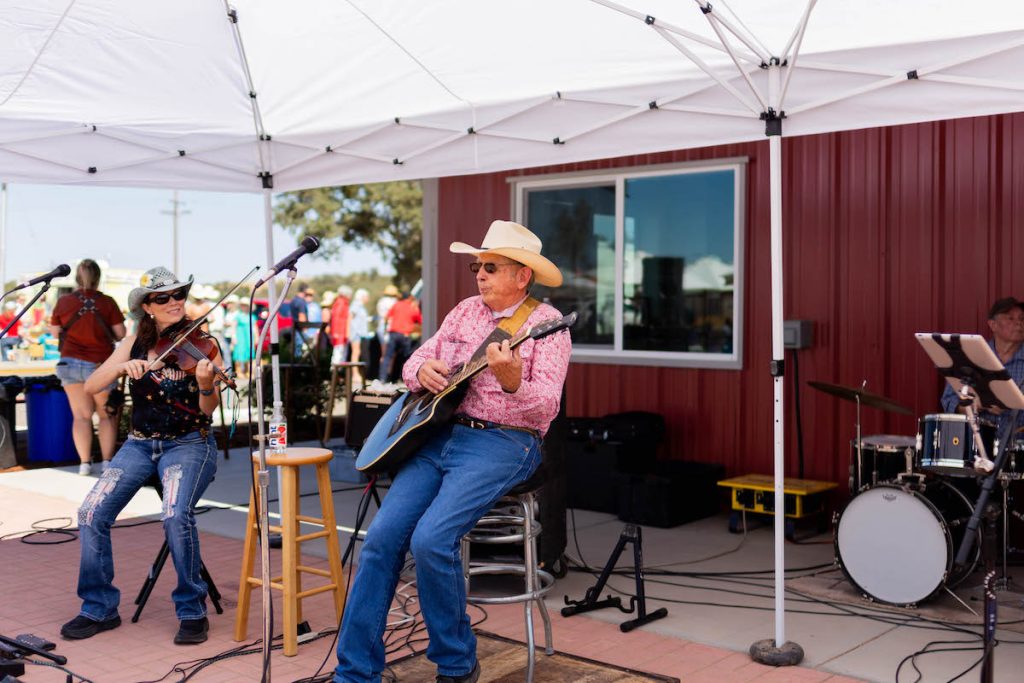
(222, 237)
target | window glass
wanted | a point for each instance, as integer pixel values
(675, 299)
(577, 227)
(678, 267)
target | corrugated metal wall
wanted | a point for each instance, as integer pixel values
(889, 231)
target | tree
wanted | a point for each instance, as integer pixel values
(387, 217)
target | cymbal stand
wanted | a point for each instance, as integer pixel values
(860, 448)
(1004, 582)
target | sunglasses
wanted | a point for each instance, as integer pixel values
(490, 268)
(163, 297)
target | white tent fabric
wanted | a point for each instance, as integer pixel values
(157, 94)
(197, 94)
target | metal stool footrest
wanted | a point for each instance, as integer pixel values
(506, 533)
(546, 579)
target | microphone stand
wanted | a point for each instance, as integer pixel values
(263, 477)
(30, 304)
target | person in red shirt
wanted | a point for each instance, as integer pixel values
(340, 314)
(403, 319)
(88, 323)
(12, 338)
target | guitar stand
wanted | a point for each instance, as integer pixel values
(631, 533)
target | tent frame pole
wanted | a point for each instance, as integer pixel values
(777, 651)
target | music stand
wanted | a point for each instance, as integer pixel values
(968, 364)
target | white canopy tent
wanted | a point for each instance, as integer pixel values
(197, 95)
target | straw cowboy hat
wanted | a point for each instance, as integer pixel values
(514, 241)
(153, 281)
(391, 290)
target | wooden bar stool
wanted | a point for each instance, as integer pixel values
(290, 581)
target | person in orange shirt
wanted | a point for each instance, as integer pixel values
(403, 319)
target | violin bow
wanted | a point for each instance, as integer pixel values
(201, 319)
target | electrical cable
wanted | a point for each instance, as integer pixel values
(53, 665)
(912, 658)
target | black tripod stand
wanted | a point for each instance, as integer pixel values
(360, 518)
(158, 565)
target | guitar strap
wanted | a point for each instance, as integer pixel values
(507, 328)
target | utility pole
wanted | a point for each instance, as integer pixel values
(174, 213)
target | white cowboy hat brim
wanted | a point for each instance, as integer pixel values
(546, 272)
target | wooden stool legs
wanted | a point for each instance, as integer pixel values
(290, 580)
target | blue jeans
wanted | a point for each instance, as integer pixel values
(186, 466)
(6, 344)
(436, 498)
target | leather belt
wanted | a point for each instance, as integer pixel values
(477, 423)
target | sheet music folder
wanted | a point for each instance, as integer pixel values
(968, 359)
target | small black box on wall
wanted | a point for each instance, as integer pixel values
(675, 492)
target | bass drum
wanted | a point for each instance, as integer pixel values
(896, 544)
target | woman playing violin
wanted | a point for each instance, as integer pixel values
(171, 439)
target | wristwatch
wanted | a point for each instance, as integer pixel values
(206, 392)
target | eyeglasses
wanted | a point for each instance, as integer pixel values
(490, 268)
(163, 297)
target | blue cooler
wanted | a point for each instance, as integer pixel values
(49, 421)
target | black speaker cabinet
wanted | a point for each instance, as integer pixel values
(364, 412)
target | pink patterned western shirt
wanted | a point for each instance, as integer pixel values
(545, 362)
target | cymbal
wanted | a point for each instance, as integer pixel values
(865, 397)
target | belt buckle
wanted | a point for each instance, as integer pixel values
(476, 424)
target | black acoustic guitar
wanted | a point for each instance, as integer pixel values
(414, 417)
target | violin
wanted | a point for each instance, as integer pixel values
(196, 345)
(185, 351)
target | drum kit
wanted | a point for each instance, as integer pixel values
(901, 539)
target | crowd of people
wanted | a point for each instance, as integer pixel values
(361, 327)
(380, 336)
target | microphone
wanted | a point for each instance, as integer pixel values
(307, 246)
(63, 270)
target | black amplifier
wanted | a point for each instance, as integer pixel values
(364, 412)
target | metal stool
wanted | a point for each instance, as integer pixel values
(513, 520)
(290, 582)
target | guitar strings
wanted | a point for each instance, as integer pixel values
(479, 364)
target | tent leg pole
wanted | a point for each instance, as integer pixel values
(777, 651)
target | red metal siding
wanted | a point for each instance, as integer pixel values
(888, 232)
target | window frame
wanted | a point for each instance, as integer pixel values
(583, 353)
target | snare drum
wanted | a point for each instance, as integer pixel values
(883, 457)
(946, 444)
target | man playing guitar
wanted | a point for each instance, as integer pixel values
(493, 443)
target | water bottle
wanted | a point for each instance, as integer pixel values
(279, 436)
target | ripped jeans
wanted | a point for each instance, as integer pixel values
(186, 466)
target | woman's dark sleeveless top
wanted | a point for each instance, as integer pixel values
(164, 408)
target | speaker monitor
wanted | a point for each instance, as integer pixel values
(364, 412)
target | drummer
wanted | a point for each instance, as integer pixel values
(1006, 321)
